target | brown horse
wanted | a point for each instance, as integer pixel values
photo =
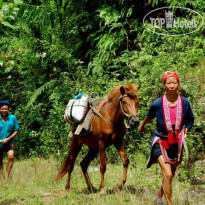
(121, 102)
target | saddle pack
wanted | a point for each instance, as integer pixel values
(76, 109)
(80, 112)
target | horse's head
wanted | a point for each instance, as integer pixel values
(129, 104)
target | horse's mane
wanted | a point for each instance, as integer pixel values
(115, 92)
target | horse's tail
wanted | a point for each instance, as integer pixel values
(63, 169)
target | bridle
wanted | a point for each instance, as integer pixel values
(129, 117)
(125, 114)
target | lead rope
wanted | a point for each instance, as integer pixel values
(186, 151)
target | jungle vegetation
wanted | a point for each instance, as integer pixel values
(51, 50)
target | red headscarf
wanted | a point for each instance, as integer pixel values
(170, 74)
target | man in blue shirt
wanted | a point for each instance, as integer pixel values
(9, 128)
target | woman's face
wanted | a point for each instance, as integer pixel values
(171, 85)
(4, 110)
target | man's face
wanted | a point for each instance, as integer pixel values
(4, 110)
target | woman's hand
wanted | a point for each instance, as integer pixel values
(185, 133)
(141, 128)
(145, 121)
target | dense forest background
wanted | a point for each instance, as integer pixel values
(50, 50)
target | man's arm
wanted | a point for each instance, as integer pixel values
(6, 140)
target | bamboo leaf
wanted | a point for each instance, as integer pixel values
(6, 23)
(39, 91)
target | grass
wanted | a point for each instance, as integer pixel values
(32, 182)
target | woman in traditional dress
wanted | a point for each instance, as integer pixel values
(174, 119)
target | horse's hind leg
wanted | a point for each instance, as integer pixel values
(102, 165)
(84, 166)
(74, 150)
(125, 160)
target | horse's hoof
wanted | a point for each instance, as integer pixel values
(92, 189)
(120, 186)
(67, 188)
(103, 191)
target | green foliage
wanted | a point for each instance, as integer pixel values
(39, 91)
(52, 50)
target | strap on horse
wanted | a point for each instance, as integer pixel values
(98, 113)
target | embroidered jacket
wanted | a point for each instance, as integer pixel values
(155, 110)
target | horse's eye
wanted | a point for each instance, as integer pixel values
(124, 102)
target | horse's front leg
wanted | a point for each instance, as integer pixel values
(121, 151)
(102, 165)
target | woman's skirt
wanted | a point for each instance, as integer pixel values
(170, 155)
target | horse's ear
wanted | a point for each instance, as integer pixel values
(122, 90)
(138, 87)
